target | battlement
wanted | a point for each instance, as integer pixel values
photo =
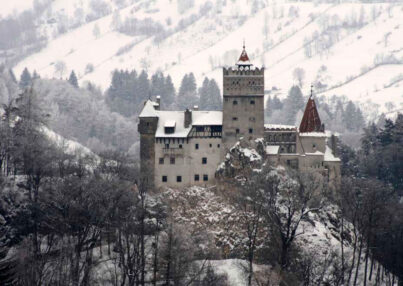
(243, 71)
(243, 81)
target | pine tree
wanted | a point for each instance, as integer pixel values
(187, 97)
(35, 75)
(203, 94)
(143, 88)
(386, 135)
(215, 102)
(73, 79)
(276, 103)
(352, 117)
(293, 103)
(26, 79)
(157, 84)
(169, 91)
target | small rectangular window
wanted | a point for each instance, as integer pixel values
(197, 178)
(204, 160)
(161, 160)
(252, 102)
(235, 102)
(172, 160)
(218, 145)
(237, 131)
(234, 118)
(164, 179)
(205, 178)
(196, 146)
(250, 130)
(211, 145)
(179, 179)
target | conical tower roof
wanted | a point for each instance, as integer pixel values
(244, 59)
(311, 121)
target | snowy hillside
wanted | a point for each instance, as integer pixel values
(347, 49)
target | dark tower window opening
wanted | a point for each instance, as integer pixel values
(250, 130)
(196, 146)
(234, 118)
(164, 179)
(179, 179)
(237, 131)
(161, 160)
(197, 178)
(252, 102)
(205, 178)
(172, 160)
(235, 102)
(204, 160)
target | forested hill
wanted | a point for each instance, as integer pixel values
(350, 49)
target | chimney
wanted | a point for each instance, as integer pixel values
(188, 118)
(158, 99)
(196, 108)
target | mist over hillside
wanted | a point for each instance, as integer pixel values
(344, 49)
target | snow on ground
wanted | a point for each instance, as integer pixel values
(69, 146)
(10, 7)
(234, 269)
(215, 40)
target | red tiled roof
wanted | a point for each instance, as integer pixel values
(311, 121)
(244, 56)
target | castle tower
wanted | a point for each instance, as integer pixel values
(243, 106)
(148, 122)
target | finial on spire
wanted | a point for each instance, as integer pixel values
(311, 91)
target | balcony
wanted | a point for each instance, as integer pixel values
(172, 151)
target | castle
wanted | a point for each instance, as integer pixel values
(183, 148)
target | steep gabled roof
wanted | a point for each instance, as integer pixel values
(149, 109)
(311, 121)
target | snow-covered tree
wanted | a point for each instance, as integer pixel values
(73, 79)
(25, 79)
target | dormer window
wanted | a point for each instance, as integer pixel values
(169, 127)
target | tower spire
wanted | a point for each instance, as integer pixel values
(244, 59)
(311, 91)
(311, 121)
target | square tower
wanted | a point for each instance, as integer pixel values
(243, 106)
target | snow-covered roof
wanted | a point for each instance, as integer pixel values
(317, 153)
(177, 119)
(247, 62)
(170, 123)
(272, 149)
(313, 134)
(329, 157)
(149, 109)
(168, 117)
(280, 127)
(200, 118)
